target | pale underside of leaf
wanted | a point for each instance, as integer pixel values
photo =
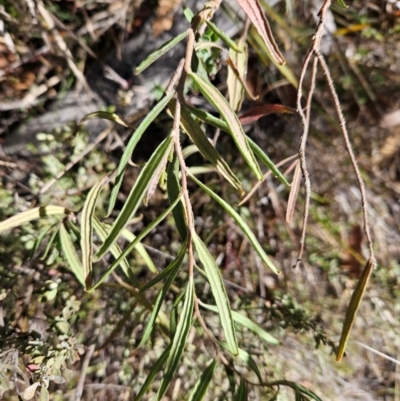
(87, 230)
(33, 214)
(70, 254)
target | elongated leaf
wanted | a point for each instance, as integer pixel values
(155, 180)
(105, 115)
(261, 111)
(70, 254)
(136, 195)
(209, 118)
(33, 214)
(102, 231)
(242, 224)
(353, 307)
(164, 48)
(256, 15)
(246, 322)
(218, 123)
(153, 373)
(241, 394)
(39, 240)
(141, 250)
(136, 241)
(158, 108)
(294, 192)
(267, 161)
(173, 189)
(235, 87)
(30, 391)
(173, 270)
(167, 271)
(87, 230)
(258, 45)
(214, 96)
(202, 384)
(219, 293)
(53, 237)
(245, 357)
(179, 341)
(223, 36)
(200, 139)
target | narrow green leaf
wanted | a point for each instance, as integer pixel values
(205, 147)
(173, 189)
(164, 48)
(87, 230)
(136, 195)
(242, 224)
(70, 254)
(136, 241)
(153, 373)
(39, 240)
(105, 115)
(102, 231)
(258, 45)
(219, 293)
(241, 394)
(151, 116)
(188, 14)
(209, 118)
(167, 271)
(173, 270)
(267, 161)
(179, 341)
(214, 96)
(246, 322)
(33, 214)
(353, 307)
(141, 250)
(53, 237)
(246, 358)
(342, 3)
(202, 384)
(223, 36)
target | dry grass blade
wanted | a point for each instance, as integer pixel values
(294, 192)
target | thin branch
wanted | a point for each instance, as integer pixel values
(349, 149)
(302, 156)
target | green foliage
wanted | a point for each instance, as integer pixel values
(94, 249)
